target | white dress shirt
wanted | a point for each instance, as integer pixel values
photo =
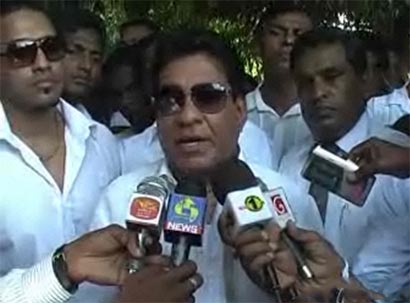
(351, 229)
(284, 131)
(225, 281)
(36, 284)
(145, 148)
(389, 108)
(36, 217)
(118, 120)
(81, 108)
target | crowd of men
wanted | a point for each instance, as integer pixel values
(80, 129)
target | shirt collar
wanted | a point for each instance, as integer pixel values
(80, 126)
(402, 92)
(153, 133)
(5, 130)
(356, 134)
(254, 101)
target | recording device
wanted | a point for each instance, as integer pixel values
(282, 214)
(237, 189)
(185, 218)
(335, 173)
(146, 212)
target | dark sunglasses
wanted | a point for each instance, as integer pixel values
(22, 53)
(209, 98)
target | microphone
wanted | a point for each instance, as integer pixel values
(282, 214)
(237, 189)
(185, 217)
(146, 212)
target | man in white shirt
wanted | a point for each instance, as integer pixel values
(328, 66)
(274, 105)
(200, 112)
(388, 108)
(55, 162)
(84, 35)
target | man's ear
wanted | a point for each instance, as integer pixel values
(240, 110)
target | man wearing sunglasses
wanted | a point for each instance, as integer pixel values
(200, 111)
(54, 161)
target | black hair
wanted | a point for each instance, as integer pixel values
(131, 56)
(281, 7)
(121, 56)
(74, 19)
(183, 43)
(354, 48)
(140, 22)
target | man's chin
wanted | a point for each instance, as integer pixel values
(197, 167)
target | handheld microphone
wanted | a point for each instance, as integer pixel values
(185, 217)
(237, 189)
(146, 212)
(282, 214)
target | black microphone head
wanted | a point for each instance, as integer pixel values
(232, 176)
(191, 187)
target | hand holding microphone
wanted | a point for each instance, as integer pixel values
(328, 268)
(155, 282)
(321, 257)
(145, 216)
(260, 248)
(375, 156)
(245, 208)
(161, 284)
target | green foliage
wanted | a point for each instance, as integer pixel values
(236, 20)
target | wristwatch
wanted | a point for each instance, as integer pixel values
(61, 271)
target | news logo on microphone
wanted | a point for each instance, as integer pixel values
(186, 214)
(253, 203)
(144, 210)
(282, 213)
(248, 206)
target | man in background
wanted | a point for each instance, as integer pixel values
(329, 67)
(84, 35)
(274, 105)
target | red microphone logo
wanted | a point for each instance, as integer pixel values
(279, 205)
(145, 208)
